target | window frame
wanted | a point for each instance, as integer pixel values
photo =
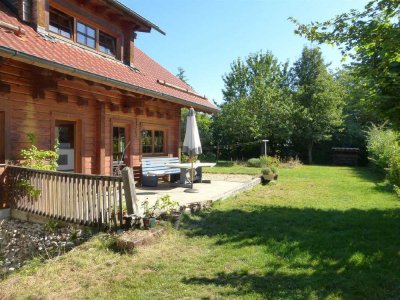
(74, 22)
(121, 140)
(110, 38)
(153, 130)
(61, 14)
(86, 35)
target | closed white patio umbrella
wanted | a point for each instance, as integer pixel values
(191, 144)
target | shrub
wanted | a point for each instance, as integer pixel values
(263, 161)
(39, 159)
(225, 164)
(208, 157)
(382, 146)
(35, 159)
(266, 171)
(274, 170)
(254, 163)
(273, 161)
(290, 163)
(185, 158)
(384, 152)
(269, 170)
(393, 172)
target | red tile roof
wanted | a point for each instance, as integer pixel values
(81, 61)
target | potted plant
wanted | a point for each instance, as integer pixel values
(149, 219)
(269, 173)
(275, 172)
(170, 210)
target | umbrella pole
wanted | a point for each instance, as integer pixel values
(191, 189)
(191, 175)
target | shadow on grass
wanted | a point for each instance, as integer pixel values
(350, 254)
(373, 174)
(225, 164)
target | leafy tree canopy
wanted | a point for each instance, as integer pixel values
(371, 37)
(318, 100)
(258, 103)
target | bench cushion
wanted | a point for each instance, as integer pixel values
(153, 167)
(156, 173)
(156, 166)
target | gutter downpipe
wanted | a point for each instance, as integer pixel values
(27, 58)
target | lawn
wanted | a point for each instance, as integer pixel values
(319, 233)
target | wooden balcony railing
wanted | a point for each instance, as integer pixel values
(77, 198)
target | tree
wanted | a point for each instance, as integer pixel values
(372, 39)
(181, 75)
(318, 100)
(204, 124)
(204, 121)
(358, 115)
(257, 102)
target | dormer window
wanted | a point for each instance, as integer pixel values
(61, 23)
(85, 35)
(74, 29)
(106, 43)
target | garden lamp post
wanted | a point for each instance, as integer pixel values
(265, 146)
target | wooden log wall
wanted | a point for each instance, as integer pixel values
(33, 99)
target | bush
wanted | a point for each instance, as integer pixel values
(384, 152)
(273, 161)
(263, 161)
(393, 172)
(382, 146)
(266, 171)
(291, 162)
(254, 163)
(274, 170)
(39, 159)
(208, 157)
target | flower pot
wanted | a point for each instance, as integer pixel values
(149, 222)
(269, 177)
(176, 220)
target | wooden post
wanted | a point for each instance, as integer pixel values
(101, 140)
(130, 191)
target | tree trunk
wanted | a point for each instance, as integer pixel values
(310, 146)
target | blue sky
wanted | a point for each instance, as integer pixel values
(205, 36)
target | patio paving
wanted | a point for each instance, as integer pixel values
(221, 186)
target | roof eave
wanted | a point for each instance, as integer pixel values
(55, 66)
(132, 13)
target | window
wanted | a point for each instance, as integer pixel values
(65, 135)
(147, 141)
(153, 141)
(60, 23)
(106, 43)
(85, 35)
(158, 141)
(119, 144)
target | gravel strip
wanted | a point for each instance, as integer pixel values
(20, 241)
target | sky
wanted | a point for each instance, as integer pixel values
(205, 36)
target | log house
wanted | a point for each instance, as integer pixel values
(70, 71)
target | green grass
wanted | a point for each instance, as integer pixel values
(319, 233)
